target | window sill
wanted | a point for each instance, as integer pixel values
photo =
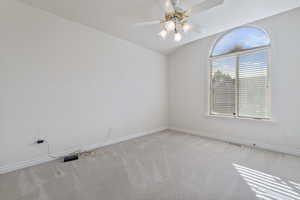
(239, 118)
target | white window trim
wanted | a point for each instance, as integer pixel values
(237, 54)
(269, 120)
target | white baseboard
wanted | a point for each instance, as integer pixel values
(258, 145)
(43, 159)
(46, 158)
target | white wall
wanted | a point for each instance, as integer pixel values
(70, 84)
(188, 93)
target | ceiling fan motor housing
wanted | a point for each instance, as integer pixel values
(177, 17)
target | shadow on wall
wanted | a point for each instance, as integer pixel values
(269, 187)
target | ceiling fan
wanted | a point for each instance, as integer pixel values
(176, 19)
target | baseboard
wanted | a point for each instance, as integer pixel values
(258, 145)
(122, 139)
(43, 159)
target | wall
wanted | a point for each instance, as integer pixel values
(71, 85)
(188, 91)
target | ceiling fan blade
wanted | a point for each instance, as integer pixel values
(206, 5)
(197, 29)
(147, 23)
(169, 6)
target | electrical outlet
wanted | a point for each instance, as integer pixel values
(40, 141)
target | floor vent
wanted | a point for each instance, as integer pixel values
(71, 158)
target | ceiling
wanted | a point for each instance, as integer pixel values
(117, 17)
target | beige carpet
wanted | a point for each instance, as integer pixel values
(162, 166)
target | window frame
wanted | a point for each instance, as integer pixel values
(237, 56)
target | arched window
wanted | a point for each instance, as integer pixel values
(239, 75)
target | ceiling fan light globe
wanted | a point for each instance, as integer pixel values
(177, 37)
(170, 26)
(186, 27)
(163, 34)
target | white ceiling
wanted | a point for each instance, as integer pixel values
(117, 17)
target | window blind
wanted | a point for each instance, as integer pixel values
(223, 84)
(253, 86)
(239, 85)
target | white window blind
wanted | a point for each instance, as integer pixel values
(240, 85)
(253, 85)
(223, 85)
